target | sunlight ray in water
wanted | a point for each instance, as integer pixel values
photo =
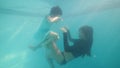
(18, 31)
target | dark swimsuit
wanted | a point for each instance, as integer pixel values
(80, 47)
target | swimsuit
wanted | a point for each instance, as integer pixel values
(80, 47)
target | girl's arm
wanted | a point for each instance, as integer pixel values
(69, 37)
(67, 32)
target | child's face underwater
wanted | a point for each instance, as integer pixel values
(54, 19)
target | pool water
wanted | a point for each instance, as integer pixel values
(21, 19)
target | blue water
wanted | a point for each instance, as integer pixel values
(20, 20)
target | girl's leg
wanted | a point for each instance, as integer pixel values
(55, 51)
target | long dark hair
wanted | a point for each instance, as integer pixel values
(88, 32)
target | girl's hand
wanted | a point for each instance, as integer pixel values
(64, 29)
